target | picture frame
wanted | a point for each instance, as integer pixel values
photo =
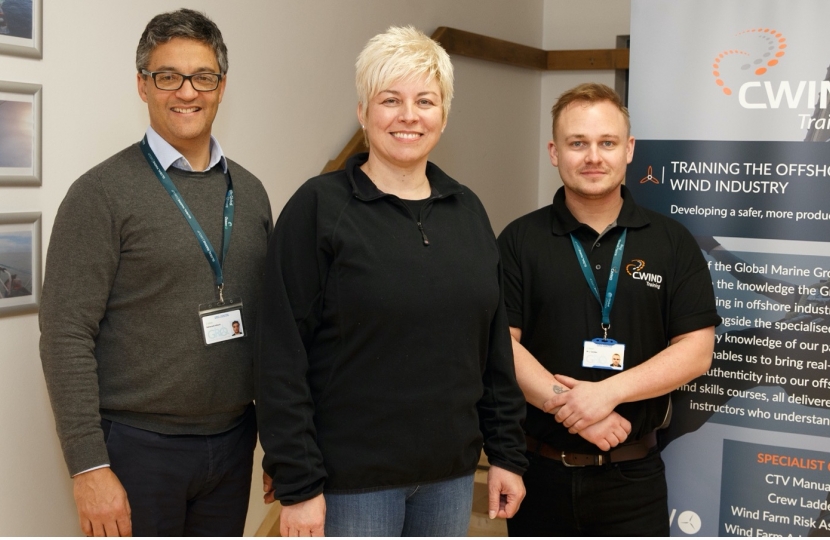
(21, 28)
(20, 262)
(20, 133)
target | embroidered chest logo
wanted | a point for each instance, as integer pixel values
(635, 270)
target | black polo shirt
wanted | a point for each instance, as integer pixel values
(664, 290)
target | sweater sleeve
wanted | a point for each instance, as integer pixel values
(501, 408)
(81, 264)
(295, 274)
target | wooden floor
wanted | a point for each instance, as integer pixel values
(480, 523)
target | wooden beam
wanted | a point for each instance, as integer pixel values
(462, 43)
(587, 59)
(354, 146)
(486, 48)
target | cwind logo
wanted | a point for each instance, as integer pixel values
(635, 270)
(760, 50)
(747, 70)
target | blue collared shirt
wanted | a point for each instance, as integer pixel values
(169, 156)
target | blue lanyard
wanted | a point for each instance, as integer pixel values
(611, 290)
(207, 247)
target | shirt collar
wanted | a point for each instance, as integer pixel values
(364, 189)
(169, 156)
(563, 222)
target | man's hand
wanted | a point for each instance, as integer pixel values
(608, 432)
(506, 491)
(585, 404)
(268, 488)
(103, 508)
(557, 389)
(605, 434)
(307, 518)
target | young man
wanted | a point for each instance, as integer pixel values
(153, 407)
(575, 297)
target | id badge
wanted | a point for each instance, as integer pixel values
(602, 353)
(222, 321)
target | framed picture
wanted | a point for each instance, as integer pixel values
(19, 262)
(20, 139)
(21, 28)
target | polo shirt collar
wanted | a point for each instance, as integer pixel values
(563, 222)
(364, 189)
(168, 156)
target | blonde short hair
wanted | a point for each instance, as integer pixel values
(402, 53)
(588, 93)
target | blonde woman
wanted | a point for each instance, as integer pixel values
(385, 358)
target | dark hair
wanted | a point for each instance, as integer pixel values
(588, 93)
(184, 23)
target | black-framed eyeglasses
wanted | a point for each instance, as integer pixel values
(170, 80)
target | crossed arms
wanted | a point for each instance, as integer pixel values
(587, 408)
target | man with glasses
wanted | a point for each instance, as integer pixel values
(152, 398)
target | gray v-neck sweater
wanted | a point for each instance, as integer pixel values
(120, 333)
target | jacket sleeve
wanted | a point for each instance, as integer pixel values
(295, 273)
(501, 409)
(81, 264)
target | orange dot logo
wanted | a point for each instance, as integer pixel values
(636, 265)
(763, 50)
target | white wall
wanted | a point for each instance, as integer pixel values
(588, 24)
(289, 107)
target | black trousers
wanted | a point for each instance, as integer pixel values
(620, 499)
(184, 485)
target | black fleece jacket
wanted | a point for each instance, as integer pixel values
(384, 350)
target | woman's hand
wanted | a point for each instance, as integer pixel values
(506, 491)
(307, 518)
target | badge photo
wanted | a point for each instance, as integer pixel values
(602, 353)
(221, 321)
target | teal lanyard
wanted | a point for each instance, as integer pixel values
(204, 243)
(611, 290)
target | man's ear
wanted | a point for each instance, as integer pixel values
(554, 153)
(141, 82)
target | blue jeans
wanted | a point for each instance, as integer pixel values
(184, 485)
(435, 509)
(620, 499)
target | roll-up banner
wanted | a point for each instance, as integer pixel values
(730, 107)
